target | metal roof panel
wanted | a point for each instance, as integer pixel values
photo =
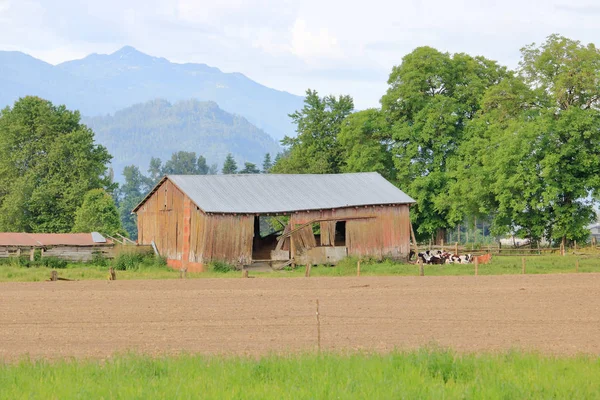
(279, 193)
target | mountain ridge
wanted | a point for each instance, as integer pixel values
(158, 128)
(101, 84)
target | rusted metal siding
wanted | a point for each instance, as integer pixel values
(161, 219)
(387, 234)
(221, 237)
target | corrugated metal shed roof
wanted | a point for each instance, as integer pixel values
(274, 193)
(49, 239)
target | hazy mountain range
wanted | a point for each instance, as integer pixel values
(105, 83)
(158, 128)
(213, 112)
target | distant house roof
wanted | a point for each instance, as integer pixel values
(51, 239)
(275, 193)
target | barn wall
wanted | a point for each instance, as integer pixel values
(221, 237)
(161, 219)
(385, 235)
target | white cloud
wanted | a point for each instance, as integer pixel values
(330, 45)
(310, 45)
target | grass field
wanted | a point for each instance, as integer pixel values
(427, 373)
(500, 265)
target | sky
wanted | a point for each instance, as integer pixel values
(332, 46)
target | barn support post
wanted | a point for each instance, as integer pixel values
(32, 254)
(414, 240)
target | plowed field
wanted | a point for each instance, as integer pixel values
(550, 313)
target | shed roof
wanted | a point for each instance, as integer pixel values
(51, 239)
(281, 193)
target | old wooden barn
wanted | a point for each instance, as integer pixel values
(274, 219)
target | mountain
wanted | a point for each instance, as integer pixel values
(158, 128)
(100, 84)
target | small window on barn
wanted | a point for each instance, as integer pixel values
(340, 233)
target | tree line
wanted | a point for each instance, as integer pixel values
(467, 138)
(470, 139)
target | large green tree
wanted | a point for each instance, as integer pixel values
(533, 157)
(48, 161)
(315, 149)
(431, 97)
(366, 142)
(98, 213)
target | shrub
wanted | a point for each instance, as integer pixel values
(98, 259)
(127, 261)
(53, 262)
(221, 266)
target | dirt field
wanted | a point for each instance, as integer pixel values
(549, 313)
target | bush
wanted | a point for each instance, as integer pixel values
(136, 261)
(221, 266)
(52, 262)
(127, 261)
(99, 260)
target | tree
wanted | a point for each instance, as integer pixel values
(267, 164)
(155, 170)
(131, 193)
(250, 168)
(48, 161)
(98, 213)
(534, 154)
(366, 141)
(230, 166)
(315, 149)
(431, 97)
(185, 163)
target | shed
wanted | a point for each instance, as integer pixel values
(68, 246)
(275, 219)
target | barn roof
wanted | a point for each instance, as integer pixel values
(51, 239)
(281, 193)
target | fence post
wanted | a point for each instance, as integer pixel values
(307, 271)
(358, 268)
(421, 269)
(244, 273)
(577, 265)
(442, 245)
(476, 266)
(456, 248)
(523, 262)
(318, 328)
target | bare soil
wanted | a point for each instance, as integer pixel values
(558, 314)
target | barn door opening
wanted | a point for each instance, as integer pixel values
(340, 233)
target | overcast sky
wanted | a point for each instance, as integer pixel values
(333, 46)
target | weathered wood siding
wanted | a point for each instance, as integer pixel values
(385, 235)
(221, 237)
(161, 220)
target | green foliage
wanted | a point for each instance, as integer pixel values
(230, 166)
(431, 98)
(533, 154)
(98, 213)
(48, 161)
(220, 266)
(267, 164)
(365, 138)
(185, 163)
(25, 262)
(132, 261)
(315, 149)
(427, 373)
(249, 168)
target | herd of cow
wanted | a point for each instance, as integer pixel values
(443, 257)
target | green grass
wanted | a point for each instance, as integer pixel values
(148, 269)
(421, 374)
